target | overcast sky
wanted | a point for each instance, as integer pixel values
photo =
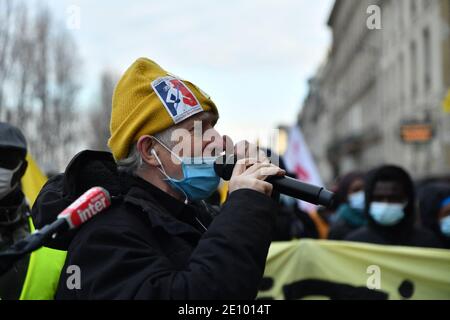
(253, 57)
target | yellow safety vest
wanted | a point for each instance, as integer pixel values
(44, 269)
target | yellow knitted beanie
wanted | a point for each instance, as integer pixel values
(148, 100)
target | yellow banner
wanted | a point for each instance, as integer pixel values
(318, 269)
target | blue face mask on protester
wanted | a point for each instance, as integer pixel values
(199, 178)
(357, 200)
(445, 222)
(445, 226)
(387, 214)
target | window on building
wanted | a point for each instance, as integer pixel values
(413, 4)
(355, 119)
(413, 50)
(427, 59)
(401, 15)
(401, 81)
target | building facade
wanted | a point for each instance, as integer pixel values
(378, 96)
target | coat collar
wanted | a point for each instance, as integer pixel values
(162, 210)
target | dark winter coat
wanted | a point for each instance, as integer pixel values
(348, 220)
(148, 245)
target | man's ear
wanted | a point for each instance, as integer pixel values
(145, 145)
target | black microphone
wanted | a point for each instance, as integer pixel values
(285, 185)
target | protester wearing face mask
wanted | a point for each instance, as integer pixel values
(389, 207)
(159, 240)
(434, 206)
(13, 206)
(14, 211)
(444, 221)
(350, 214)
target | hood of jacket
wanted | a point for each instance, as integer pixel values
(430, 198)
(86, 170)
(403, 229)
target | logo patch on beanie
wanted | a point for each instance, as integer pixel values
(176, 97)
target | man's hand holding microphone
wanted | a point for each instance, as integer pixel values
(252, 169)
(257, 173)
(251, 174)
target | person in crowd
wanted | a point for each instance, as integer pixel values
(350, 214)
(157, 241)
(389, 207)
(292, 222)
(14, 210)
(434, 206)
(323, 217)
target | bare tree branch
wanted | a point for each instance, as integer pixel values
(102, 112)
(39, 69)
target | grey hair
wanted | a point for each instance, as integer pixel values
(133, 162)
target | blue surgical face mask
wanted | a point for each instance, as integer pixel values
(387, 214)
(356, 200)
(445, 226)
(199, 178)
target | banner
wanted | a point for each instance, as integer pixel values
(318, 269)
(298, 160)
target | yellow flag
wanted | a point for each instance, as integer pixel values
(223, 192)
(32, 181)
(446, 103)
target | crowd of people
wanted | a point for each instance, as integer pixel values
(382, 206)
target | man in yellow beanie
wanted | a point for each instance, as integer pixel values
(159, 239)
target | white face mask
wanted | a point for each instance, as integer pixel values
(6, 176)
